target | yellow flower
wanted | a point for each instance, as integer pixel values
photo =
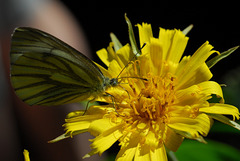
(151, 116)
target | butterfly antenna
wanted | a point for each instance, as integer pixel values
(130, 61)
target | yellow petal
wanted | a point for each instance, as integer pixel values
(104, 71)
(73, 125)
(211, 87)
(201, 74)
(145, 66)
(158, 154)
(196, 61)
(145, 32)
(151, 140)
(174, 43)
(166, 37)
(77, 126)
(156, 55)
(125, 55)
(107, 55)
(181, 110)
(129, 145)
(189, 96)
(126, 154)
(104, 56)
(195, 93)
(106, 139)
(173, 140)
(142, 153)
(26, 155)
(99, 126)
(178, 46)
(182, 64)
(78, 122)
(201, 124)
(115, 68)
(219, 108)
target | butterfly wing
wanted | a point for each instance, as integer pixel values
(47, 71)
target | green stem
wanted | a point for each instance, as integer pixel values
(171, 156)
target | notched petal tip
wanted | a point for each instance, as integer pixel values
(26, 155)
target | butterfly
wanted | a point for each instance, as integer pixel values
(47, 71)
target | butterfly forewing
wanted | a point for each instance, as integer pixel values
(47, 71)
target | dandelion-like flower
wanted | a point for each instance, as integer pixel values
(151, 116)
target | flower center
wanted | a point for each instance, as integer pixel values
(153, 100)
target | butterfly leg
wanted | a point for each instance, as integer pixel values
(86, 108)
(113, 101)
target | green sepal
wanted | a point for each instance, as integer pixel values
(133, 43)
(116, 43)
(61, 137)
(217, 58)
(189, 136)
(225, 120)
(187, 29)
(67, 135)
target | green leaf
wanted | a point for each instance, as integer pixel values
(116, 43)
(217, 58)
(213, 151)
(132, 37)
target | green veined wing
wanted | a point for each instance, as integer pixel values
(47, 71)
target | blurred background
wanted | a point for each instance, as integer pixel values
(86, 25)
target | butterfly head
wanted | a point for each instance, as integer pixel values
(111, 82)
(114, 82)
